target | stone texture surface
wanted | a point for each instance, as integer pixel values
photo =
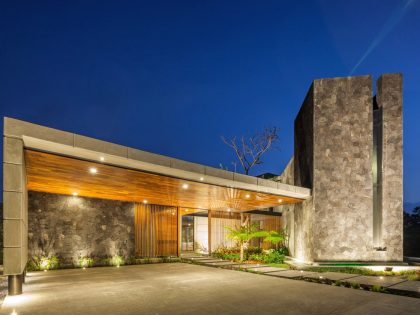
(72, 227)
(389, 97)
(342, 180)
(333, 156)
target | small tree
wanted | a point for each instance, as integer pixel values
(243, 235)
(250, 150)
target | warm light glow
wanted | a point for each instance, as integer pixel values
(280, 200)
(144, 201)
(320, 277)
(102, 158)
(75, 194)
(247, 196)
(381, 277)
(185, 186)
(201, 178)
(186, 210)
(229, 210)
(84, 268)
(93, 170)
(13, 313)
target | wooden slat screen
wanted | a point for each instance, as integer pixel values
(156, 230)
(266, 223)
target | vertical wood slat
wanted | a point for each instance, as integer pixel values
(209, 231)
(156, 231)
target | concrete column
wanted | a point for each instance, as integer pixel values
(15, 213)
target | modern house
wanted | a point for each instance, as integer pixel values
(340, 196)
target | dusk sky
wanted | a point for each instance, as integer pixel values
(171, 77)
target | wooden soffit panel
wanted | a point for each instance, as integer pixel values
(63, 175)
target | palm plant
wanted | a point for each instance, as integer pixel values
(244, 234)
(275, 237)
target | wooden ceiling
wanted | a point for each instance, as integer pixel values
(63, 175)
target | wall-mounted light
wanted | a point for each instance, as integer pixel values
(93, 170)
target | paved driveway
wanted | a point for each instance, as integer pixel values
(179, 288)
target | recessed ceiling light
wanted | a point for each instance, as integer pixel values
(93, 170)
(229, 210)
(247, 196)
(201, 178)
(280, 200)
(75, 194)
(186, 210)
(199, 207)
(185, 186)
(102, 158)
(144, 201)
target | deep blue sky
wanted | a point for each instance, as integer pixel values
(171, 77)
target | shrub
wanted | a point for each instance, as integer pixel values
(355, 286)
(117, 260)
(337, 283)
(43, 263)
(85, 262)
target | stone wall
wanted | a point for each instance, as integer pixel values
(342, 185)
(72, 227)
(334, 155)
(389, 98)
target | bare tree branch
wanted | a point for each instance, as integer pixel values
(249, 151)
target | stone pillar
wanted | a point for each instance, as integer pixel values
(15, 213)
(389, 99)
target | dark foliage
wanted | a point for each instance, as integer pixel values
(412, 233)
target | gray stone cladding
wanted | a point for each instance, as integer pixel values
(333, 156)
(389, 97)
(72, 227)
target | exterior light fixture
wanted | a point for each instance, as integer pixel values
(84, 268)
(229, 210)
(320, 277)
(381, 277)
(75, 194)
(185, 186)
(93, 170)
(247, 195)
(144, 201)
(102, 158)
(186, 210)
(13, 313)
(201, 179)
(280, 200)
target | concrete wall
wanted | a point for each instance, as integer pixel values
(72, 227)
(334, 155)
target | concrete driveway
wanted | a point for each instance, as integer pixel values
(179, 288)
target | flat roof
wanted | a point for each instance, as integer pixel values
(54, 141)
